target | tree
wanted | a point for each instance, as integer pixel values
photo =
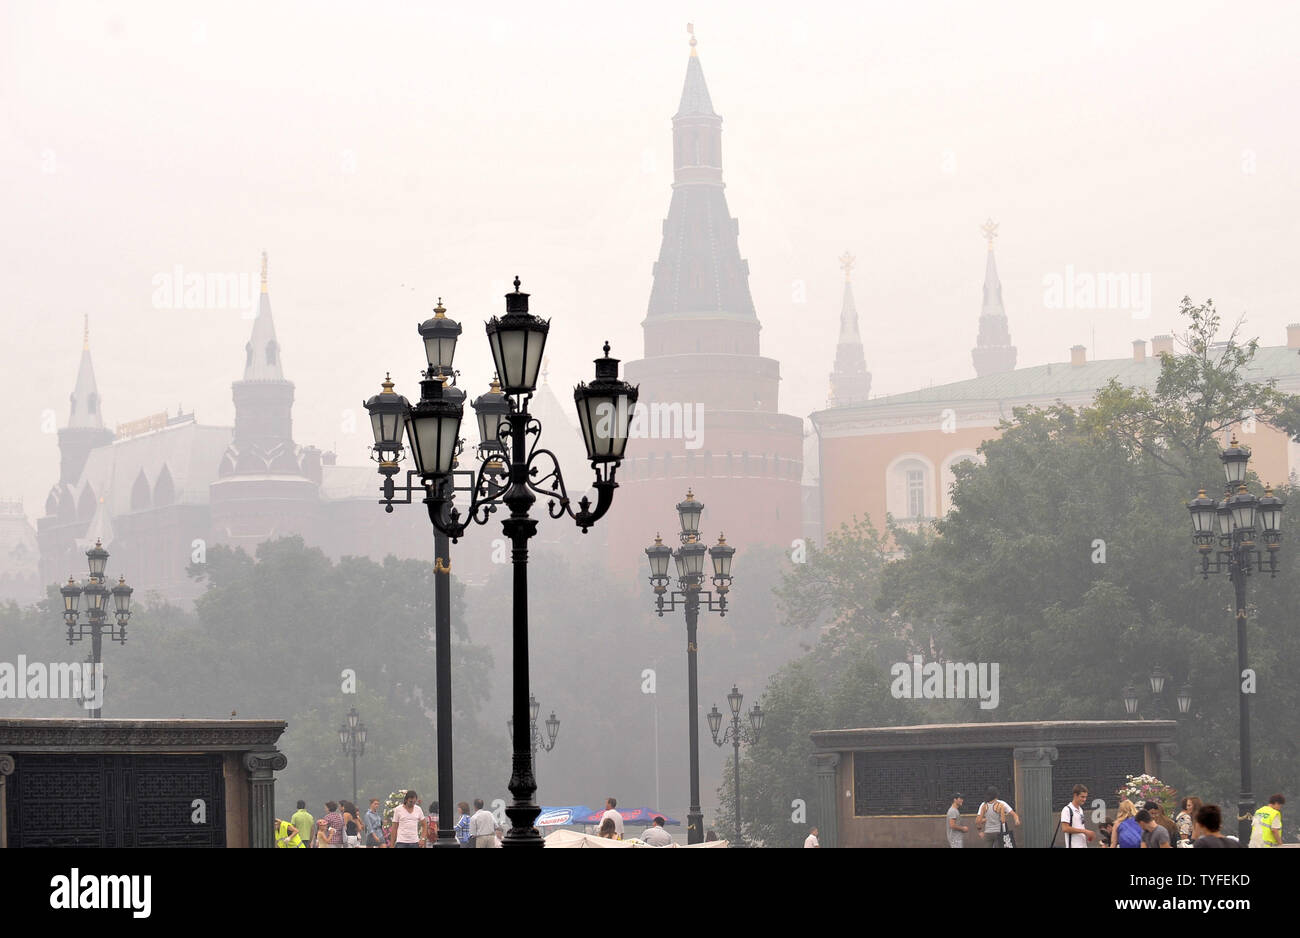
(1066, 560)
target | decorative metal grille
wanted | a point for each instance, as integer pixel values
(140, 800)
(923, 782)
(1101, 768)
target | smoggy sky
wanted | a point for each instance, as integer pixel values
(385, 154)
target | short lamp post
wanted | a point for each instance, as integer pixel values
(1225, 535)
(352, 737)
(97, 594)
(689, 560)
(736, 733)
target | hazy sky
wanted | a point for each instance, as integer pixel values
(386, 154)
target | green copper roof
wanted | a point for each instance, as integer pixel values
(1061, 379)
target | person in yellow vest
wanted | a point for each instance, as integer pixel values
(286, 835)
(1267, 824)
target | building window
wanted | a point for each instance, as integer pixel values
(909, 488)
(915, 493)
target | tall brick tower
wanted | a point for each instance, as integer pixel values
(745, 460)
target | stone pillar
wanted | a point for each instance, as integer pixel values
(1033, 765)
(6, 769)
(828, 801)
(1157, 755)
(262, 767)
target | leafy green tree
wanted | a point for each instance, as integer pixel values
(1066, 559)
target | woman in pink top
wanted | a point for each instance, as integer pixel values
(409, 825)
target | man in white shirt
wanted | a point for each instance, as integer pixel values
(1076, 835)
(482, 826)
(812, 840)
(656, 836)
(610, 805)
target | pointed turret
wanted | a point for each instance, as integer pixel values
(85, 429)
(695, 93)
(993, 352)
(263, 438)
(262, 353)
(850, 381)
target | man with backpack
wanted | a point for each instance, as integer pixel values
(992, 820)
(1072, 824)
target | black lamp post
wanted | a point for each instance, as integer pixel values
(512, 472)
(535, 742)
(391, 416)
(735, 732)
(97, 612)
(1233, 523)
(689, 559)
(352, 737)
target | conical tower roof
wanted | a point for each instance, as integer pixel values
(993, 352)
(850, 381)
(85, 412)
(695, 93)
(262, 361)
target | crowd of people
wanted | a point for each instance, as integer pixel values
(1144, 825)
(342, 825)
(409, 826)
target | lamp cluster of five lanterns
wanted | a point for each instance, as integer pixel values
(512, 472)
(689, 559)
(96, 593)
(1235, 523)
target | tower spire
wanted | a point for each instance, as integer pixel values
(690, 28)
(993, 352)
(85, 429)
(850, 381)
(262, 353)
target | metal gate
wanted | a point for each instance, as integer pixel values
(128, 800)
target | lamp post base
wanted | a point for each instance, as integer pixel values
(695, 828)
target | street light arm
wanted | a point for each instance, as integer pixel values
(486, 493)
(557, 492)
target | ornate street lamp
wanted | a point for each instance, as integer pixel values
(1157, 680)
(97, 611)
(352, 737)
(689, 560)
(1236, 555)
(535, 741)
(513, 472)
(735, 732)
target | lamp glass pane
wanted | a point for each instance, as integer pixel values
(513, 348)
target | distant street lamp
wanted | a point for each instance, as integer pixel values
(1157, 681)
(352, 737)
(735, 733)
(96, 594)
(535, 741)
(1232, 523)
(689, 560)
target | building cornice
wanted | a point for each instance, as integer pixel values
(995, 735)
(50, 735)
